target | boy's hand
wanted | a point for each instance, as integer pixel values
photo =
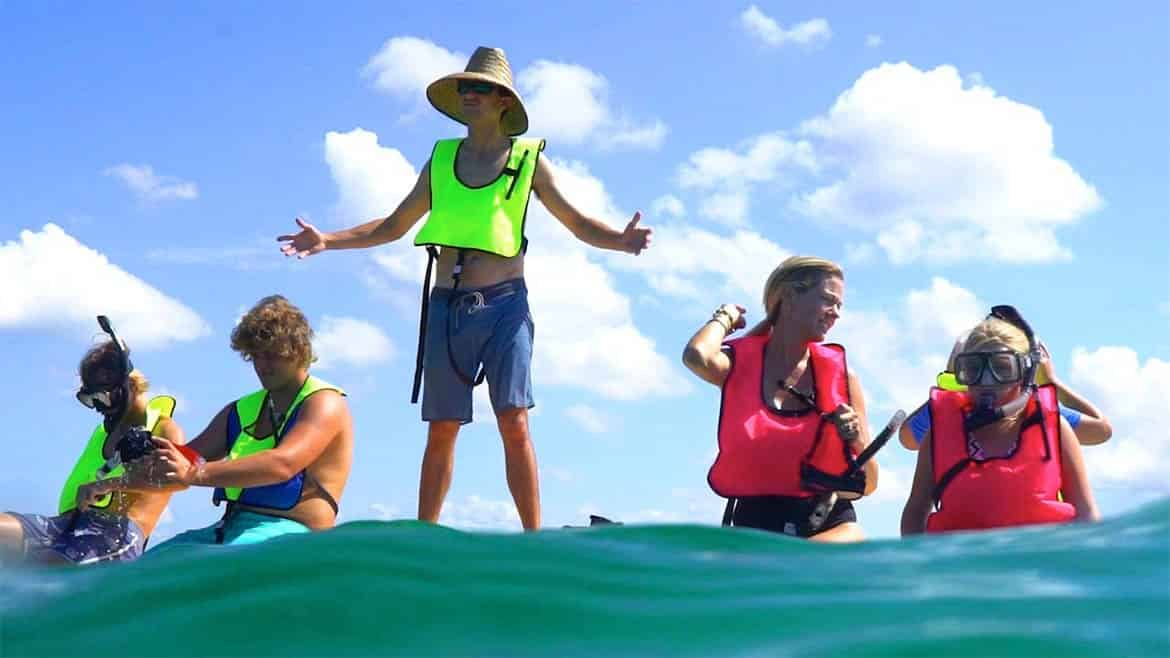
(635, 239)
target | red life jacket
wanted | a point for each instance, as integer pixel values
(1018, 489)
(761, 449)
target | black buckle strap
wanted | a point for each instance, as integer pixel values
(221, 525)
(515, 174)
(432, 256)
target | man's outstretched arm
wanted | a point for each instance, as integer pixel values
(378, 231)
(591, 231)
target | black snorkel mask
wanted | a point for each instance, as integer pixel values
(1004, 368)
(110, 399)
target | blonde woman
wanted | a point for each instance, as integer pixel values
(790, 407)
(998, 454)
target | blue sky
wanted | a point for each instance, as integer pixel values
(950, 158)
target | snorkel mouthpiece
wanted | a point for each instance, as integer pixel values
(985, 401)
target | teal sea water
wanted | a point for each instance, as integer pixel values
(404, 589)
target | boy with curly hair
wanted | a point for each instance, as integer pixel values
(279, 457)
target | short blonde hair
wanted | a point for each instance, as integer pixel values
(799, 274)
(275, 327)
(994, 330)
(104, 357)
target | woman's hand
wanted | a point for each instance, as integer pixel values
(847, 421)
(734, 314)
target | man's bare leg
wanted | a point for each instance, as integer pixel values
(520, 462)
(842, 534)
(11, 538)
(437, 466)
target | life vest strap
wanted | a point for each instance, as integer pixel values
(515, 174)
(432, 256)
(951, 474)
(729, 511)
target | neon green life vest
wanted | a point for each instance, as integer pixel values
(283, 495)
(489, 218)
(86, 468)
(946, 381)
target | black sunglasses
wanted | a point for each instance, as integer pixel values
(475, 87)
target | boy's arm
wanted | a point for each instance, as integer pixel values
(321, 418)
(591, 231)
(311, 240)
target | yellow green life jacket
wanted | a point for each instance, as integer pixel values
(242, 420)
(91, 460)
(488, 218)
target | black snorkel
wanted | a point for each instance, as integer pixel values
(114, 414)
(850, 484)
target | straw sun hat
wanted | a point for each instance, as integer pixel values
(485, 65)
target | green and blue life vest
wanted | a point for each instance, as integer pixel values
(242, 420)
(91, 460)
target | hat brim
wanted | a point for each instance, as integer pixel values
(443, 94)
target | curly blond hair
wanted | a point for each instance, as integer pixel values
(274, 327)
(99, 364)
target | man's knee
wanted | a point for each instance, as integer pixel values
(11, 533)
(513, 425)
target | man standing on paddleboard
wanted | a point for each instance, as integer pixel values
(476, 323)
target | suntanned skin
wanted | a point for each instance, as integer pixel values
(480, 160)
(321, 443)
(143, 507)
(803, 318)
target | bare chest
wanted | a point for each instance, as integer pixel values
(479, 170)
(774, 388)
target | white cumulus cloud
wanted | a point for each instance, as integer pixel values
(771, 33)
(587, 418)
(570, 103)
(898, 350)
(667, 205)
(941, 171)
(479, 513)
(50, 279)
(404, 66)
(727, 176)
(925, 166)
(149, 186)
(350, 341)
(1134, 395)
